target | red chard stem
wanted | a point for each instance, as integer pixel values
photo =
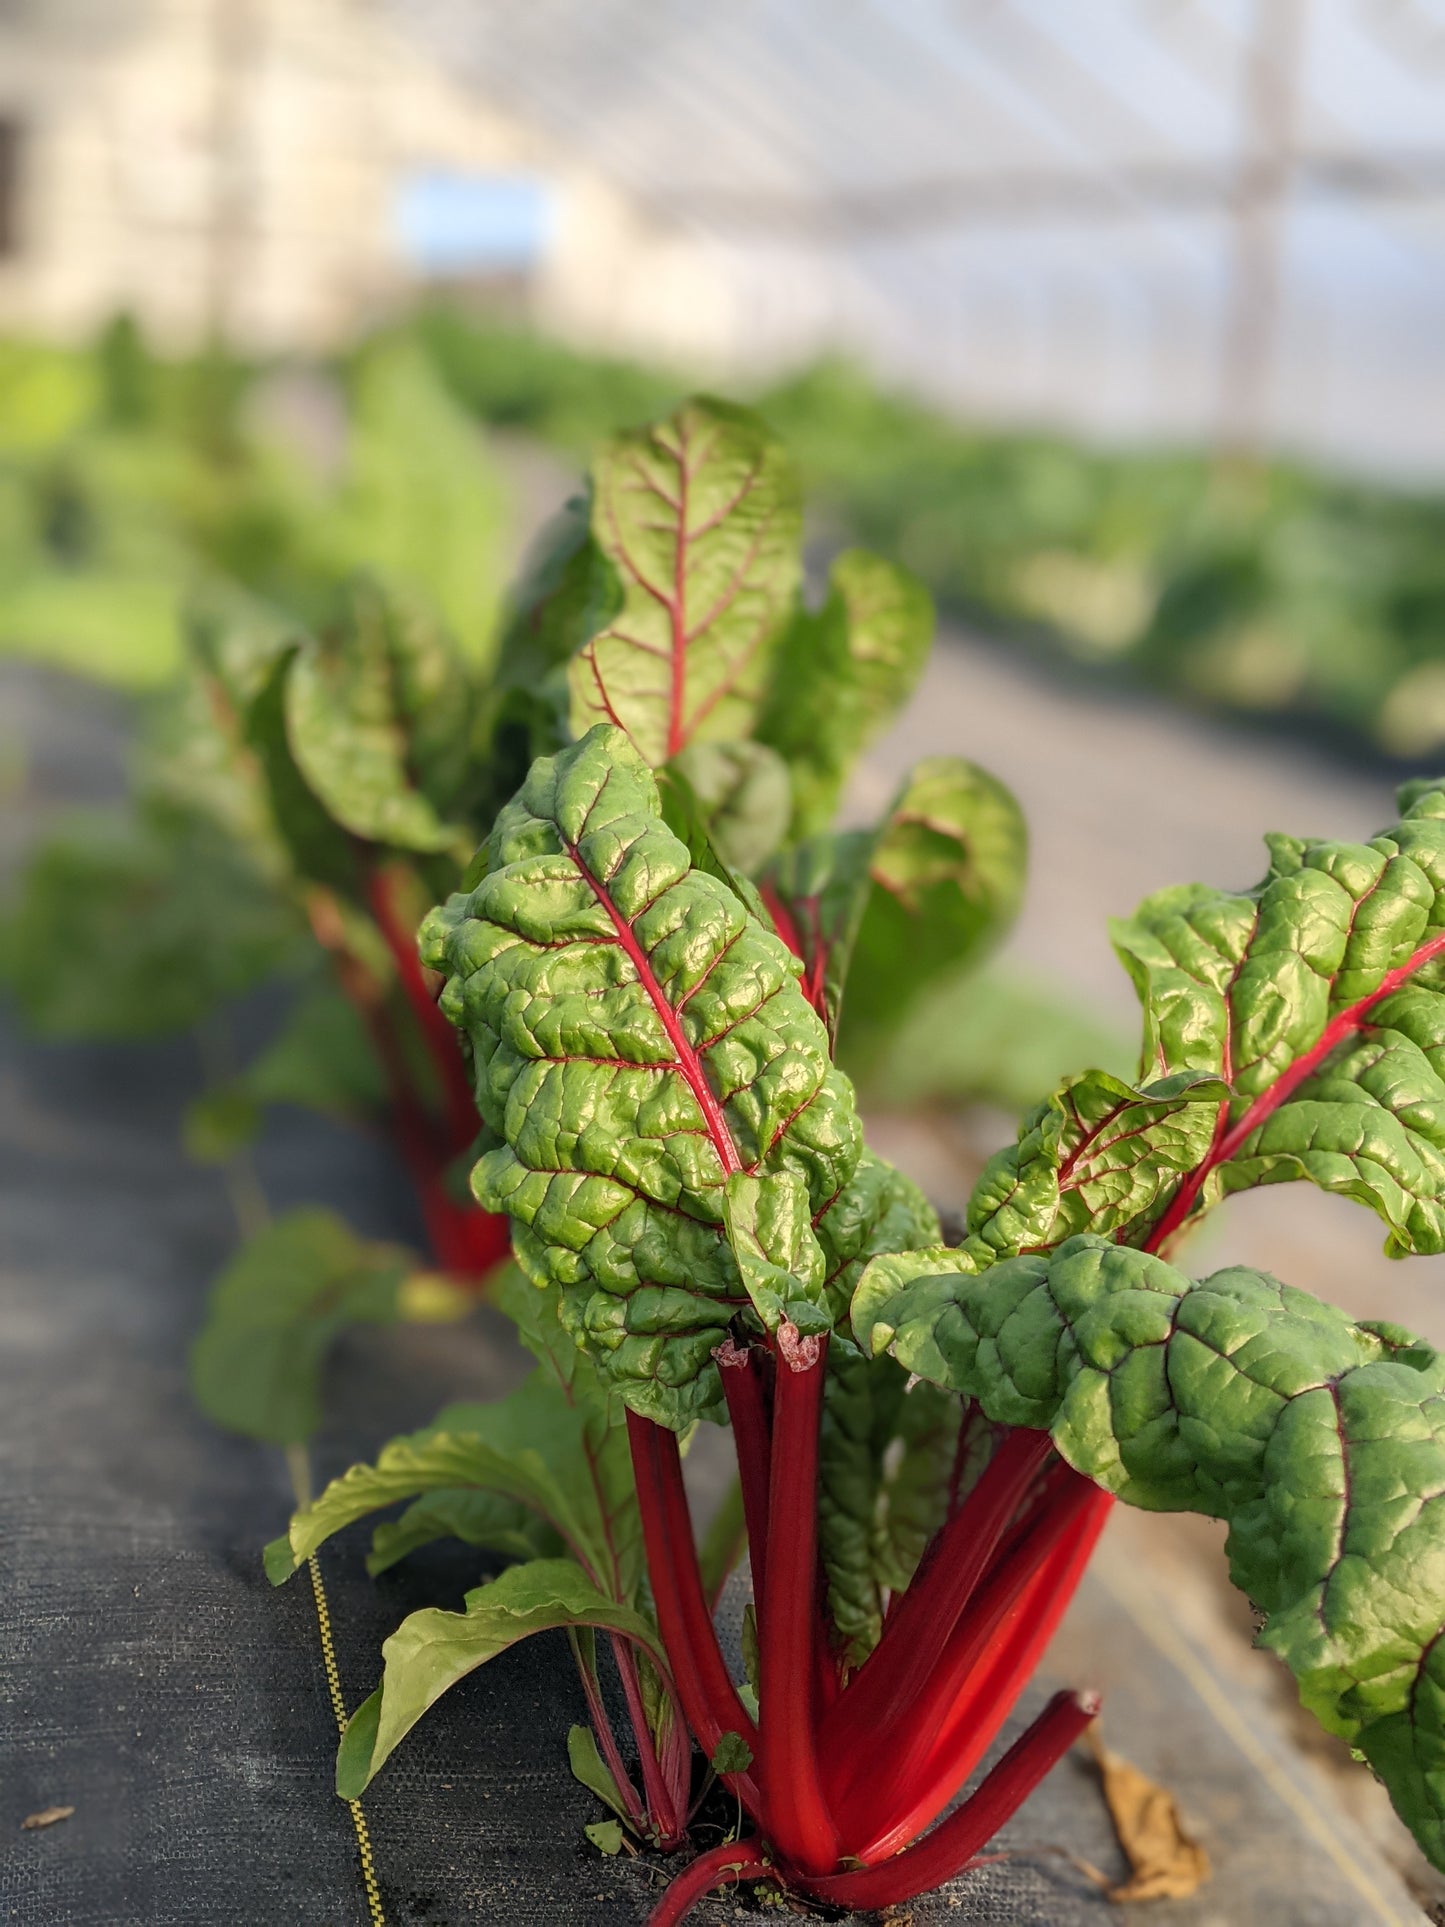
(720, 1867)
(798, 1821)
(741, 1368)
(917, 1630)
(954, 1842)
(709, 1698)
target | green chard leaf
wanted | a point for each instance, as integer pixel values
(431, 1650)
(897, 910)
(534, 1448)
(319, 848)
(743, 797)
(841, 676)
(639, 1040)
(1100, 1154)
(568, 592)
(1321, 1443)
(699, 516)
(322, 1057)
(274, 1313)
(885, 1454)
(423, 505)
(487, 1520)
(1296, 1030)
(591, 1769)
(379, 720)
(947, 873)
(130, 929)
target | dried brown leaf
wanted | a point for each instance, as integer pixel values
(46, 1817)
(1165, 1862)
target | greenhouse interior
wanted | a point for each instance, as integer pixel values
(707, 716)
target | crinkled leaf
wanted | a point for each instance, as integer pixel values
(129, 929)
(779, 1259)
(879, 1209)
(483, 1519)
(732, 1754)
(1319, 1441)
(1098, 1155)
(841, 676)
(431, 1650)
(1318, 1002)
(531, 1447)
(638, 1039)
(273, 1314)
(699, 516)
(378, 718)
(744, 796)
(947, 869)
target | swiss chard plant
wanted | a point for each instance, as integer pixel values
(677, 587)
(928, 1439)
(330, 758)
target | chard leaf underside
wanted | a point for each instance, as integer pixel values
(894, 910)
(885, 1453)
(743, 796)
(531, 1448)
(841, 676)
(699, 516)
(1321, 1443)
(431, 1650)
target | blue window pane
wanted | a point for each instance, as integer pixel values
(452, 223)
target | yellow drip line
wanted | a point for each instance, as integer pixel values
(338, 1707)
(253, 1215)
(298, 1464)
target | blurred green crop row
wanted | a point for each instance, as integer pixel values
(1275, 592)
(127, 482)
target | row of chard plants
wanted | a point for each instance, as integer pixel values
(628, 1048)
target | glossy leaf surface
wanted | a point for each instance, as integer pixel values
(639, 1039)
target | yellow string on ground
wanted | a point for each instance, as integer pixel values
(253, 1215)
(338, 1707)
